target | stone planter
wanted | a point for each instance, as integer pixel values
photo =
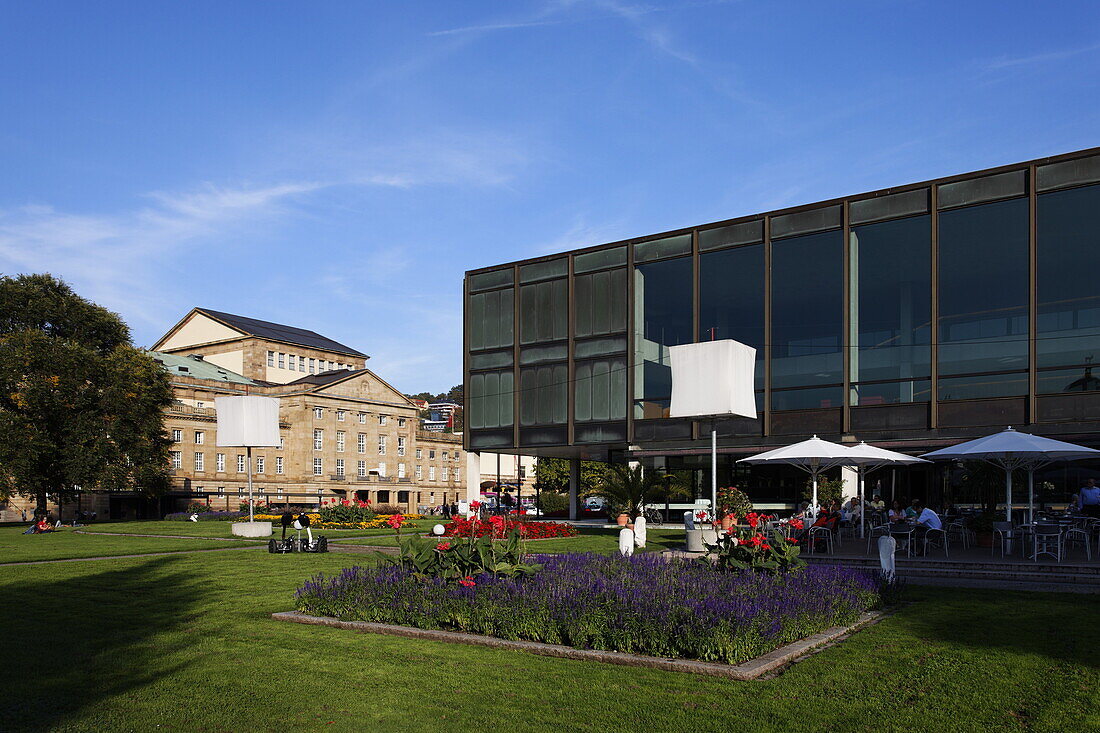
(251, 529)
(694, 540)
(623, 519)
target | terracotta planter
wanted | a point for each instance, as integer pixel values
(984, 539)
(727, 522)
(622, 519)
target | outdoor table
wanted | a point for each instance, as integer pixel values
(903, 530)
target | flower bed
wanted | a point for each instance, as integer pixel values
(205, 516)
(380, 521)
(641, 605)
(498, 526)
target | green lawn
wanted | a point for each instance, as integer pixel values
(589, 540)
(184, 642)
(222, 529)
(64, 544)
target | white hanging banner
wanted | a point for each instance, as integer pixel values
(713, 378)
(249, 420)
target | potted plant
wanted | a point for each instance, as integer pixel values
(732, 503)
(623, 519)
(982, 527)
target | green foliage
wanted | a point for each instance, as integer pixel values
(828, 491)
(626, 488)
(552, 501)
(731, 500)
(984, 484)
(79, 405)
(553, 473)
(749, 549)
(349, 513)
(457, 559)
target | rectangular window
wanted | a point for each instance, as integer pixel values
(544, 310)
(431, 473)
(663, 303)
(260, 464)
(282, 360)
(383, 419)
(381, 445)
(340, 415)
(199, 436)
(444, 455)
(177, 436)
(400, 445)
(282, 442)
(419, 472)
(340, 434)
(419, 453)
(339, 466)
(983, 293)
(312, 365)
(731, 299)
(601, 302)
(361, 469)
(291, 362)
(318, 466)
(278, 464)
(271, 358)
(458, 454)
(318, 413)
(318, 439)
(431, 453)
(491, 319)
(361, 443)
(401, 422)
(400, 470)
(363, 418)
(301, 363)
(219, 462)
(240, 464)
(544, 392)
(458, 474)
(381, 469)
(200, 462)
(200, 405)
(444, 473)
(491, 399)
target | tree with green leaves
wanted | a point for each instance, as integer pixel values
(626, 488)
(80, 406)
(553, 473)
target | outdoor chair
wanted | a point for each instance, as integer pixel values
(958, 530)
(820, 533)
(881, 530)
(1047, 541)
(1078, 535)
(1002, 537)
(936, 538)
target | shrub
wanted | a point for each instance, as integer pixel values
(644, 604)
(205, 516)
(347, 511)
(732, 500)
(461, 561)
(552, 502)
(388, 509)
(752, 549)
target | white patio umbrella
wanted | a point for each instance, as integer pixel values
(1010, 450)
(815, 456)
(871, 457)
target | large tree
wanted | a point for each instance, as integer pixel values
(80, 406)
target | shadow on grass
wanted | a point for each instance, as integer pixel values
(72, 643)
(1064, 627)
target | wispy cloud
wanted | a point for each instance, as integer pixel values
(1011, 62)
(488, 27)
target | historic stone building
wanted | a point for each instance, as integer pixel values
(346, 433)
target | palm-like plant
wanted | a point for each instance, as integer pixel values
(626, 488)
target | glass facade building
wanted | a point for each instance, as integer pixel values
(912, 317)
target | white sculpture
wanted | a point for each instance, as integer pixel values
(689, 520)
(886, 548)
(639, 531)
(626, 542)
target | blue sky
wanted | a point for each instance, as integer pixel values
(338, 166)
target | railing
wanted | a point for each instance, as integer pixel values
(337, 477)
(191, 410)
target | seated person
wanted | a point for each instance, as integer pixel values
(911, 510)
(878, 504)
(926, 518)
(42, 525)
(851, 509)
(897, 514)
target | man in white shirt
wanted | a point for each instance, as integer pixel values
(926, 517)
(1090, 499)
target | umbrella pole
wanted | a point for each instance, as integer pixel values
(1030, 495)
(859, 492)
(1008, 495)
(814, 505)
(713, 475)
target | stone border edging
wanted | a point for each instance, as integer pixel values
(750, 670)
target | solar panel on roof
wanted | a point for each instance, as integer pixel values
(280, 332)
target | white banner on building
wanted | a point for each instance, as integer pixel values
(713, 378)
(248, 420)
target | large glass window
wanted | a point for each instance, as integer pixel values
(662, 318)
(490, 399)
(543, 395)
(491, 319)
(807, 314)
(1067, 284)
(600, 303)
(600, 390)
(731, 299)
(543, 311)
(983, 293)
(891, 309)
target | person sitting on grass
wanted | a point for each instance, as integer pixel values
(42, 525)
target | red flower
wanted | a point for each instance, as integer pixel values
(443, 546)
(467, 581)
(475, 505)
(396, 521)
(792, 539)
